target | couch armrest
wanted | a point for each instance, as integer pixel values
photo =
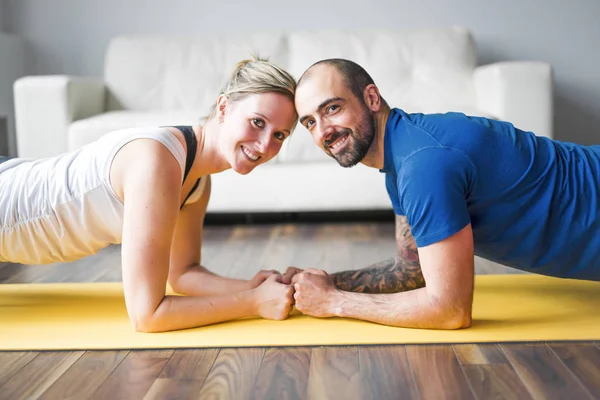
(45, 106)
(519, 92)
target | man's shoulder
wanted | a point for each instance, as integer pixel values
(410, 126)
(449, 119)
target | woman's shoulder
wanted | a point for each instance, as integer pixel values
(148, 148)
(118, 139)
(131, 133)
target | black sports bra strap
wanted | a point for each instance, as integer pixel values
(190, 193)
(192, 145)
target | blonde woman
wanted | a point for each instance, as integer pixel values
(148, 189)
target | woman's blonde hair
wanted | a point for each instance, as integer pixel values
(253, 76)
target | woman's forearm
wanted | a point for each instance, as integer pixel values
(199, 281)
(182, 312)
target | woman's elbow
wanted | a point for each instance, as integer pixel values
(176, 283)
(145, 319)
(143, 323)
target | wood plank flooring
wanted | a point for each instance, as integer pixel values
(486, 371)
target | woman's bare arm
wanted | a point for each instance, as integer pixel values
(186, 273)
(151, 191)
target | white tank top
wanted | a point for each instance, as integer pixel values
(63, 208)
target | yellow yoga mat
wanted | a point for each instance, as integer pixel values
(93, 316)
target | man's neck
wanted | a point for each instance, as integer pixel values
(375, 155)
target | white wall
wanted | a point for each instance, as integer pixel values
(70, 36)
(12, 67)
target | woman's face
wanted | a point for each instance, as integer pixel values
(254, 128)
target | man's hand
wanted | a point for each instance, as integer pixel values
(262, 276)
(274, 299)
(290, 273)
(315, 293)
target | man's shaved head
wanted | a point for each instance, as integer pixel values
(355, 76)
(331, 100)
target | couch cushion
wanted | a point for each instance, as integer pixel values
(423, 68)
(90, 129)
(153, 72)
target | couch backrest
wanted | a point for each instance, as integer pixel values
(421, 70)
(429, 70)
(414, 69)
(156, 72)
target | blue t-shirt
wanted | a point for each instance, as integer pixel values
(533, 203)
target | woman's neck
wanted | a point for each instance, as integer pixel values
(209, 158)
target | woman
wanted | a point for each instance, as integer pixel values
(148, 189)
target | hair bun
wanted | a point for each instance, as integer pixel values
(256, 75)
(254, 58)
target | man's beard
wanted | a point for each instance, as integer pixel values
(358, 144)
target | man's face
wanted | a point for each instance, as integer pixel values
(339, 122)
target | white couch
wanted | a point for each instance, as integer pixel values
(163, 80)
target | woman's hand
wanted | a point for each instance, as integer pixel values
(273, 299)
(289, 274)
(262, 276)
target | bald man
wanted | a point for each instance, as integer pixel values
(460, 186)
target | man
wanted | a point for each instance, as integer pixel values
(459, 186)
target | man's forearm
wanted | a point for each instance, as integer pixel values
(393, 292)
(199, 281)
(397, 274)
(412, 309)
(394, 275)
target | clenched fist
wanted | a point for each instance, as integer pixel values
(315, 293)
(290, 273)
(274, 299)
(261, 276)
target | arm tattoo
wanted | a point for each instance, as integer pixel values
(397, 274)
(389, 276)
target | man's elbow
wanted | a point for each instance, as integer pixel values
(456, 320)
(453, 316)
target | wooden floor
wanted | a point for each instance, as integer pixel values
(491, 371)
